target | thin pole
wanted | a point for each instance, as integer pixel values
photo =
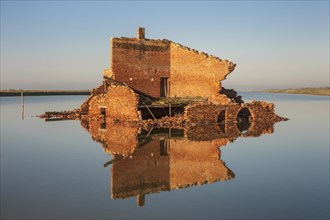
(170, 109)
(22, 101)
(150, 111)
(149, 132)
(22, 98)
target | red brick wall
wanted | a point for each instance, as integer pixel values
(262, 113)
(204, 113)
(120, 102)
(196, 74)
(140, 63)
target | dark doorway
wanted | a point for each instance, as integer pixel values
(243, 115)
(103, 111)
(222, 121)
(160, 112)
(103, 125)
(163, 86)
(222, 117)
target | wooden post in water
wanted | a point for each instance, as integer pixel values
(22, 101)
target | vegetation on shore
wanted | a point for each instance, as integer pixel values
(17, 92)
(307, 91)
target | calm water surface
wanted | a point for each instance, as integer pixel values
(63, 170)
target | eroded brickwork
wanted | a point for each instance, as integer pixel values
(142, 69)
(197, 74)
(119, 102)
(85, 105)
(208, 113)
(140, 63)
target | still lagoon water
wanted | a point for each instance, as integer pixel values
(68, 170)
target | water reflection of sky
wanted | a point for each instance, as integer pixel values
(55, 169)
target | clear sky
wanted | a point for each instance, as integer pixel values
(65, 45)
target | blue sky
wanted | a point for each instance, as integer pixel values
(65, 45)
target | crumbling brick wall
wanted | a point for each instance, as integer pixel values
(260, 111)
(232, 112)
(208, 112)
(120, 102)
(197, 74)
(204, 113)
(140, 63)
(84, 107)
(263, 110)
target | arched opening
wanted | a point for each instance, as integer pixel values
(243, 115)
(243, 119)
(222, 121)
(222, 117)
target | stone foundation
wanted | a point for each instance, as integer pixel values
(209, 113)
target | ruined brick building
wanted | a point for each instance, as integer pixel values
(155, 78)
(157, 84)
(162, 68)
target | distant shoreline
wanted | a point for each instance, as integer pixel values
(324, 91)
(17, 92)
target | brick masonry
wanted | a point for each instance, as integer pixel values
(119, 102)
(141, 63)
(208, 113)
(137, 66)
(195, 74)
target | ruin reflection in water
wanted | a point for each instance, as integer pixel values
(163, 159)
